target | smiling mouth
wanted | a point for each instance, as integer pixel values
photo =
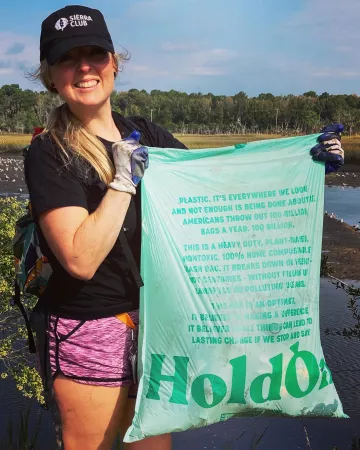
(86, 84)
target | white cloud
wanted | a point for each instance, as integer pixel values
(179, 46)
(16, 62)
(333, 31)
(332, 72)
(205, 71)
(223, 54)
(6, 71)
(137, 68)
(175, 66)
(146, 70)
(327, 20)
(344, 48)
(208, 62)
(214, 55)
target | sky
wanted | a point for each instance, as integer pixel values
(218, 46)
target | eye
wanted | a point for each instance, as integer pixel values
(98, 54)
(98, 51)
(65, 58)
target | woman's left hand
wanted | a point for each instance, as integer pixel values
(329, 148)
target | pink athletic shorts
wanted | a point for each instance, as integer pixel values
(96, 352)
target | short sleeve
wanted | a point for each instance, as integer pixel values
(51, 183)
(166, 139)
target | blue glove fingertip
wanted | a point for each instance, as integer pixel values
(340, 128)
(333, 128)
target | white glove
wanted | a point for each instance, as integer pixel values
(131, 160)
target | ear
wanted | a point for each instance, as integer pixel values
(116, 69)
(53, 89)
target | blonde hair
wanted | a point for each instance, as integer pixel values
(69, 133)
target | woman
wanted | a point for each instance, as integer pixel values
(83, 195)
(82, 179)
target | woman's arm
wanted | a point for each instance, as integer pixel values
(81, 241)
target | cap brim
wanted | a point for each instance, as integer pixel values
(65, 45)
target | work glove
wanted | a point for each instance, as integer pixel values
(329, 148)
(131, 160)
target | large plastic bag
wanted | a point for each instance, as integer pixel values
(229, 314)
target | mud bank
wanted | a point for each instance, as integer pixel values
(341, 243)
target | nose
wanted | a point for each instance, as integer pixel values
(83, 64)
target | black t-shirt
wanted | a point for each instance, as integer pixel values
(53, 184)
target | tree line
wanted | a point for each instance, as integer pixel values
(197, 113)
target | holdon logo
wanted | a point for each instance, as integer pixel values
(78, 20)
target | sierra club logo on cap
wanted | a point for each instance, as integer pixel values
(77, 20)
(61, 24)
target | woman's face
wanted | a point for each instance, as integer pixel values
(84, 76)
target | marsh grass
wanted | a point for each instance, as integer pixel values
(13, 142)
(352, 150)
(21, 436)
(351, 145)
(219, 140)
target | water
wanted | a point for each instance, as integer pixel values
(343, 357)
(344, 203)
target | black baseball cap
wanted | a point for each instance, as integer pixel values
(71, 27)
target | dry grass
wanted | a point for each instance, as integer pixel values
(216, 141)
(13, 142)
(352, 149)
(351, 144)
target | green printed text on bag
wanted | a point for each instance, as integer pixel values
(229, 316)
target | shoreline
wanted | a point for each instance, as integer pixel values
(341, 244)
(347, 176)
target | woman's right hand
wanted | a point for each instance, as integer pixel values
(131, 159)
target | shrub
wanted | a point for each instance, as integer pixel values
(18, 362)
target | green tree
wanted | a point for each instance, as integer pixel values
(14, 354)
(311, 94)
(21, 110)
